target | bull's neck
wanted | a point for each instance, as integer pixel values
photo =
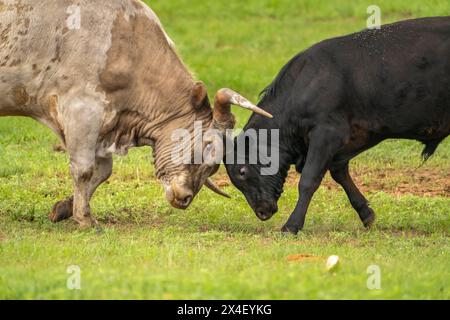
(149, 126)
(159, 91)
(150, 112)
(285, 162)
(287, 147)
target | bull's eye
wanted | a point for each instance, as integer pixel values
(243, 172)
(209, 148)
(210, 155)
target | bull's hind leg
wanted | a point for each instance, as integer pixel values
(63, 210)
(342, 176)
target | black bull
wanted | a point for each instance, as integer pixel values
(344, 96)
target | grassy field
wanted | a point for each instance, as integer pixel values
(218, 248)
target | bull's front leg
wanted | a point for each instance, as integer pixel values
(82, 174)
(82, 122)
(324, 143)
(83, 178)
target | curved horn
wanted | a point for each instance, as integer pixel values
(225, 98)
(210, 185)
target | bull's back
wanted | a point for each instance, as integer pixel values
(49, 46)
(59, 33)
(398, 77)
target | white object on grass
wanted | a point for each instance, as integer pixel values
(332, 263)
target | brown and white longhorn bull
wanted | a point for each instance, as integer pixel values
(104, 76)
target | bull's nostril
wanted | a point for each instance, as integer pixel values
(262, 215)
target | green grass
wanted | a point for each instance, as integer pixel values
(218, 249)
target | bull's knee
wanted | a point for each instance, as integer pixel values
(82, 173)
(62, 210)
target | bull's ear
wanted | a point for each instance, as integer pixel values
(199, 95)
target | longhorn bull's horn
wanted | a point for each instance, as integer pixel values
(225, 98)
(210, 185)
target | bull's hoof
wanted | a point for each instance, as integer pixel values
(62, 210)
(86, 223)
(370, 218)
(290, 229)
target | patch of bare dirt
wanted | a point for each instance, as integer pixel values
(302, 258)
(424, 182)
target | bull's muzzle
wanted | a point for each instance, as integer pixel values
(177, 194)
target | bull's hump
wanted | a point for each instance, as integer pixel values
(130, 38)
